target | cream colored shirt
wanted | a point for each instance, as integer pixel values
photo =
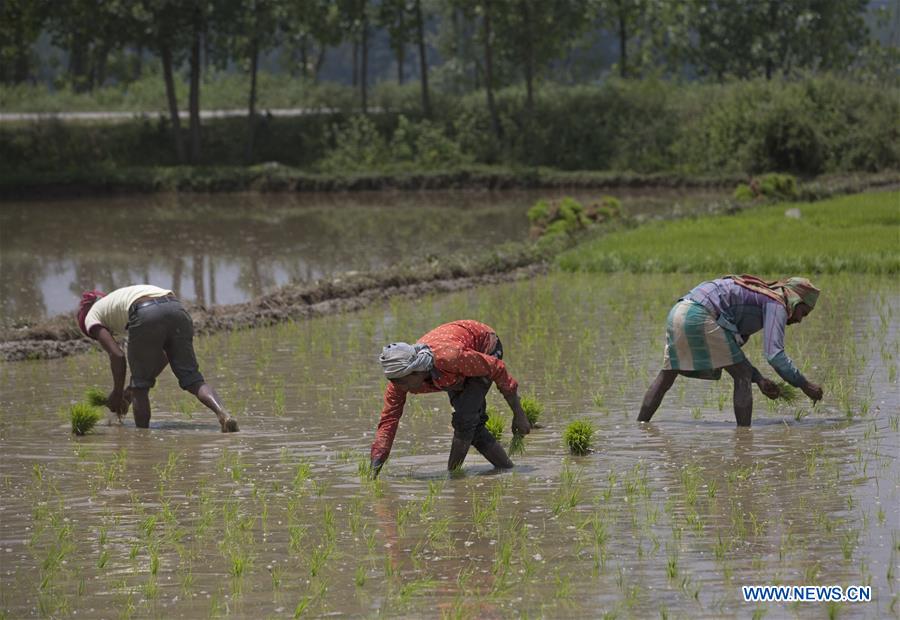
(112, 311)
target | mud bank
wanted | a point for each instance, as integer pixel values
(59, 337)
(274, 177)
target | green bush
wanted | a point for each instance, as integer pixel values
(569, 216)
(579, 436)
(771, 186)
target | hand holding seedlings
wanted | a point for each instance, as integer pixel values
(812, 390)
(520, 424)
(769, 388)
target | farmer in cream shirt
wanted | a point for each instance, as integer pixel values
(160, 333)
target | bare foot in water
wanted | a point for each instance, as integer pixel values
(230, 425)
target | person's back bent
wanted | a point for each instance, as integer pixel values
(160, 333)
(461, 358)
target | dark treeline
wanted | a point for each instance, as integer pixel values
(478, 46)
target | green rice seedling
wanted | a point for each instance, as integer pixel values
(95, 396)
(494, 423)
(517, 445)
(578, 436)
(533, 409)
(84, 417)
(787, 393)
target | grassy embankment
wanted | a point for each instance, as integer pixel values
(856, 234)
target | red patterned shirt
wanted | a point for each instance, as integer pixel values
(461, 349)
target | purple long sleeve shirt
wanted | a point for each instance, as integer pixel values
(745, 312)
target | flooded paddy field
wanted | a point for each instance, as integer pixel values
(214, 249)
(667, 519)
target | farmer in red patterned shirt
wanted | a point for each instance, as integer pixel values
(461, 358)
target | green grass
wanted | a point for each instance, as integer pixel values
(857, 234)
(84, 417)
(578, 436)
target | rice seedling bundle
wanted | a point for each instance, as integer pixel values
(788, 393)
(533, 409)
(578, 436)
(95, 396)
(494, 423)
(84, 417)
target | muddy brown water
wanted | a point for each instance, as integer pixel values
(665, 519)
(229, 248)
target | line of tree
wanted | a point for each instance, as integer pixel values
(483, 44)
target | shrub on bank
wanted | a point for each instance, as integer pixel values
(568, 216)
(771, 186)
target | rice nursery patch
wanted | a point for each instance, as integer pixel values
(856, 233)
(283, 519)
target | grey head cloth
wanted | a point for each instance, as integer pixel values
(400, 359)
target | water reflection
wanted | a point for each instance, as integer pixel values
(223, 249)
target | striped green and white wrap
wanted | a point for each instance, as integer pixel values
(696, 345)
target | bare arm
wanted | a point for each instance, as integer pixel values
(116, 365)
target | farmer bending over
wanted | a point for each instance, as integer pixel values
(461, 358)
(706, 329)
(160, 332)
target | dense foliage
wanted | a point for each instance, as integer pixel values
(821, 124)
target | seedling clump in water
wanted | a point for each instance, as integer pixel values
(84, 417)
(578, 436)
(533, 409)
(494, 423)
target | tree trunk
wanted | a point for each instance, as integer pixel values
(138, 63)
(400, 55)
(251, 104)
(489, 69)
(623, 43)
(364, 69)
(320, 60)
(355, 79)
(423, 61)
(78, 63)
(195, 87)
(165, 54)
(101, 56)
(529, 59)
(773, 23)
(304, 57)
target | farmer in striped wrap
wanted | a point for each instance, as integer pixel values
(706, 329)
